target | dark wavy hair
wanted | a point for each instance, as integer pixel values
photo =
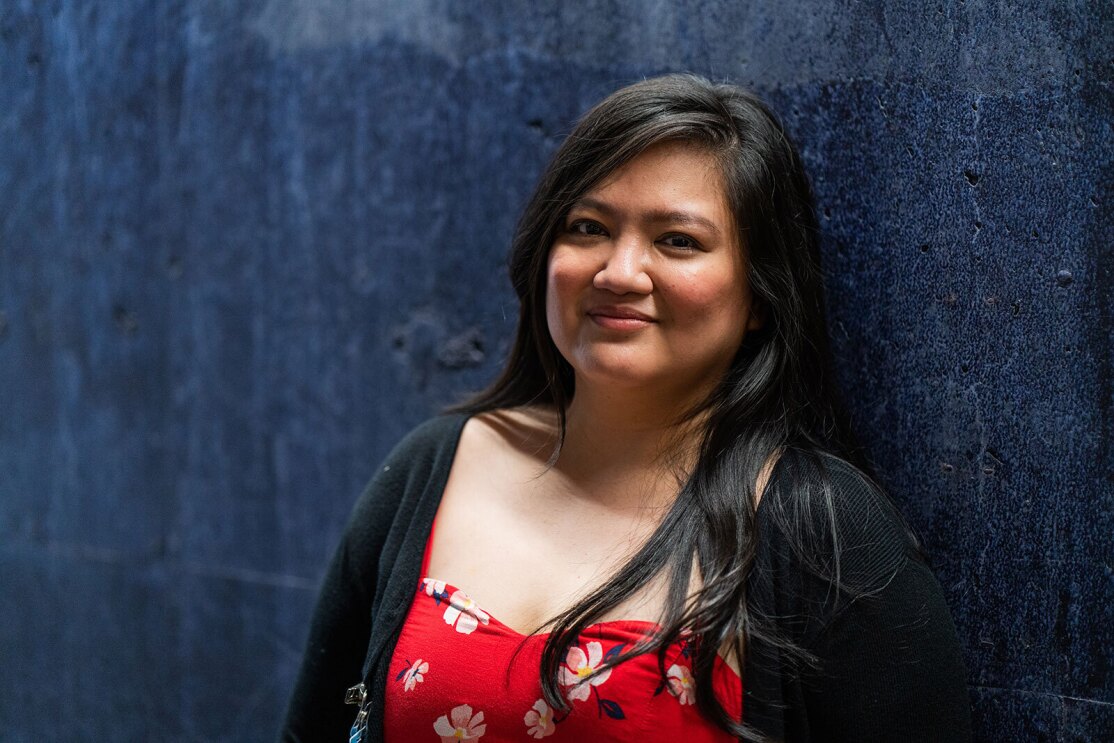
(778, 395)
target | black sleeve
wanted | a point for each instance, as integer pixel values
(338, 637)
(884, 660)
(890, 668)
(342, 621)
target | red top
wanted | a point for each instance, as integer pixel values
(454, 675)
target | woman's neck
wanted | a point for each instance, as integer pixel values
(626, 449)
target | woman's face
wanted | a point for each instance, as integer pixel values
(647, 286)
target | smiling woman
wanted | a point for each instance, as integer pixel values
(655, 524)
(647, 286)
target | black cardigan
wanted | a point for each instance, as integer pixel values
(887, 664)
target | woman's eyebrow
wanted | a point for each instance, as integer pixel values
(671, 216)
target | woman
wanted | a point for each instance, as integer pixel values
(654, 524)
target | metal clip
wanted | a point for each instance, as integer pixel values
(356, 694)
(358, 733)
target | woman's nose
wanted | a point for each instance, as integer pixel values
(624, 268)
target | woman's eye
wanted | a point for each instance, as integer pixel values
(680, 241)
(585, 227)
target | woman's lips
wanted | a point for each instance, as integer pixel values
(619, 318)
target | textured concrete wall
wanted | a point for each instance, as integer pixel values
(245, 246)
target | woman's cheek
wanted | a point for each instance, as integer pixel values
(696, 295)
(567, 277)
(561, 296)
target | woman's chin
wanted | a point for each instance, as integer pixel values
(622, 376)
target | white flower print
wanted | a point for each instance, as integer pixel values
(539, 720)
(433, 587)
(580, 671)
(681, 684)
(414, 675)
(464, 614)
(464, 725)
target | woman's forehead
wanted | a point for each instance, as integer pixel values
(669, 182)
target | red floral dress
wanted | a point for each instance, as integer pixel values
(458, 673)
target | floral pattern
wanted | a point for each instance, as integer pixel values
(539, 720)
(579, 671)
(460, 724)
(464, 614)
(681, 684)
(435, 589)
(413, 674)
(582, 676)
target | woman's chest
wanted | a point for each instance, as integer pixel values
(458, 671)
(528, 555)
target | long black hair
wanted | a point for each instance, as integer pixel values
(779, 394)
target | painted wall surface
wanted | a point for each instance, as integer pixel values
(245, 246)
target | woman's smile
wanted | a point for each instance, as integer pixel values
(647, 284)
(612, 317)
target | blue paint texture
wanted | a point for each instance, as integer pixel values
(245, 246)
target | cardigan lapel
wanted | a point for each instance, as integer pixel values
(400, 563)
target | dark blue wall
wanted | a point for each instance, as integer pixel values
(245, 246)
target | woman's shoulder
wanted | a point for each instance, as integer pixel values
(828, 515)
(431, 447)
(839, 575)
(430, 436)
(524, 426)
(425, 453)
(813, 488)
(527, 433)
